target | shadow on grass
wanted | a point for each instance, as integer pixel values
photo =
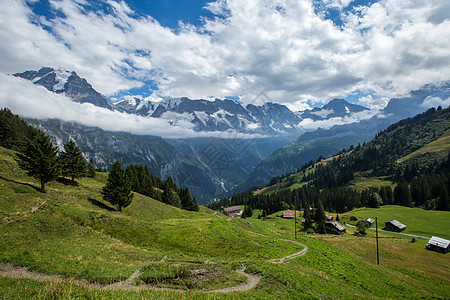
(18, 183)
(101, 204)
(66, 181)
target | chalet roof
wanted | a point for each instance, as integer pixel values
(369, 220)
(232, 208)
(440, 242)
(288, 214)
(329, 217)
(396, 224)
(336, 225)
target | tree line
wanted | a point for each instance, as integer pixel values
(422, 181)
(42, 160)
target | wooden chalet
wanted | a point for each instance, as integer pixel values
(288, 215)
(368, 221)
(438, 244)
(335, 227)
(394, 225)
(329, 218)
(232, 210)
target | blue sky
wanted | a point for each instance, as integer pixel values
(299, 53)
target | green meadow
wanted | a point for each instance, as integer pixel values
(71, 232)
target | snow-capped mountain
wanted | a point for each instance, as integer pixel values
(336, 108)
(65, 82)
(219, 115)
(269, 119)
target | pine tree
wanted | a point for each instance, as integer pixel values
(308, 218)
(170, 197)
(402, 194)
(117, 190)
(443, 199)
(320, 217)
(91, 169)
(187, 202)
(72, 161)
(39, 158)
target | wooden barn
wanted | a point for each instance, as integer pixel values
(232, 210)
(438, 244)
(368, 221)
(394, 225)
(288, 215)
(335, 227)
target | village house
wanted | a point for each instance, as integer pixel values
(438, 244)
(288, 215)
(335, 227)
(329, 218)
(368, 221)
(394, 225)
(233, 211)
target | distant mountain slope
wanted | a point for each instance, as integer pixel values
(405, 150)
(209, 167)
(68, 83)
(311, 145)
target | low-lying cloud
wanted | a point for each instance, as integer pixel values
(32, 101)
(310, 124)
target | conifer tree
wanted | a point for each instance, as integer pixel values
(39, 158)
(187, 202)
(308, 218)
(72, 161)
(117, 190)
(443, 199)
(91, 169)
(170, 197)
(320, 217)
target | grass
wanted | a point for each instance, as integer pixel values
(439, 146)
(70, 231)
(417, 221)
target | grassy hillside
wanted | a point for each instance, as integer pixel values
(71, 232)
(417, 221)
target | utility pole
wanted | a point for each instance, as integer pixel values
(376, 230)
(295, 216)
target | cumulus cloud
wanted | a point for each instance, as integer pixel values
(32, 101)
(310, 124)
(435, 102)
(373, 102)
(282, 48)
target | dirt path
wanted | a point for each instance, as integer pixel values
(8, 270)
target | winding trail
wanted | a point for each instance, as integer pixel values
(129, 284)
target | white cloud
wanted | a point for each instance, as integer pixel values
(435, 102)
(374, 103)
(32, 101)
(310, 124)
(278, 47)
(323, 113)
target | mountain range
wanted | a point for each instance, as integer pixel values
(267, 119)
(278, 140)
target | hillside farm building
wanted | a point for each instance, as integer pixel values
(288, 215)
(335, 227)
(438, 244)
(394, 225)
(232, 211)
(329, 218)
(368, 221)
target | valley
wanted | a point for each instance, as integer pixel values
(169, 246)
